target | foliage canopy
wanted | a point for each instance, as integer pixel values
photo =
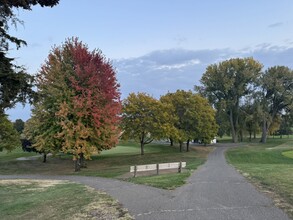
(78, 103)
(226, 83)
(144, 119)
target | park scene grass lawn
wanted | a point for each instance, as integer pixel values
(22, 199)
(114, 163)
(53, 199)
(270, 167)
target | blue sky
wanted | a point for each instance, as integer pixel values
(158, 46)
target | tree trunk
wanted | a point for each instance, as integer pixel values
(171, 142)
(76, 165)
(44, 158)
(241, 136)
(250, 136)
(141, 148)
(234, 133)
(82, 161)
(264, 132)
(180, 145)
(254, 134)
(187, 145)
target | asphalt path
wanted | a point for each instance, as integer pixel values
(216, 191)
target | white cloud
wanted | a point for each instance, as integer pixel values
(179, 65)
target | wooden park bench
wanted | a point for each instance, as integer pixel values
(159, 166)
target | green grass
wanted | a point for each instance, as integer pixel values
(43, 199)
(114, 163)
(228, 139)
(117, 162)
(18, 152)
(164, 181)
(269, 166)
(288, 154)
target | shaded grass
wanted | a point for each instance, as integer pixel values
(114, 163)
(163, 181)
(18, 152)
(266, 165)
(28, 199)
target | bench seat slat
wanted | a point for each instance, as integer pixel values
(162, 166)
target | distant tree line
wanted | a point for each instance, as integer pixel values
(247, 99)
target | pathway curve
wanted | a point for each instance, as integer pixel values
(215, 191)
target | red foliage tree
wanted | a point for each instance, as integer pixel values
(87, 99)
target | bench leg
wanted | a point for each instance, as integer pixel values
(158, 169)
(180, 167)
(135, 170)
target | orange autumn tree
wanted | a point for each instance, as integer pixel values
(79, 102)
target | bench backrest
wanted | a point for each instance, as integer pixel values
(162, 166)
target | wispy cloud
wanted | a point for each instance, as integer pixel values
(275, 25)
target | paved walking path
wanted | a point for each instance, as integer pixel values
(216, 191)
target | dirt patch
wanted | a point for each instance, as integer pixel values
(102, 211)
(39, 184)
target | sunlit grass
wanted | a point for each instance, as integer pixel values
(269, 165)
(49, 199)
(288, 154)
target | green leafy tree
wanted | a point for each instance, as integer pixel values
(9, 137)
(206, 125)
(277, 95)
(250, 114)
(144, 119)
(33, 129)
(286, 127)
(222, 119)
(19, 125)
(226, 83)
(78, 103)
(180, 103)
(15, 84)
(192, 116)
